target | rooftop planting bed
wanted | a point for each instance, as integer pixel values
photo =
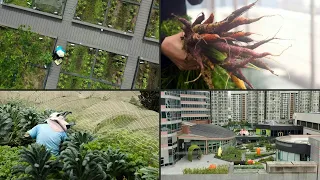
(24, 57)
(55, 7)
(116, 14)
(90, 68)
(154, 21)
(148, 75)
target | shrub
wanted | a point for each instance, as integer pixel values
(191, 149)
(271, 158)
(222, 169)
(9, 157)
(250, 147)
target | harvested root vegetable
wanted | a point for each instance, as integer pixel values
(211, 43)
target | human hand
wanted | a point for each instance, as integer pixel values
(172, 47)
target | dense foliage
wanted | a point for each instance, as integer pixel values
(37, 163)
(9, 157)
(83, 156)
(150, 100)
(16, 120)
(22, 66)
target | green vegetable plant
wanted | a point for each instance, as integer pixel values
(153, 26)
(147, 173)
(147, 76)
(122, 16)
(83, 165)
(92, 11)
(109, 67)
(77, 139)
(36, 162)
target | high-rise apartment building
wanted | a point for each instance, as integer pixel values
(178, 106)
(315, 100)
(238, 105)
(255, 106)
(220, 107)
(195, 105)
(273, 105)
(170, 125)
(289, 104)
(305, 101)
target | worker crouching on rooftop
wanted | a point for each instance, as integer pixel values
(51, 134)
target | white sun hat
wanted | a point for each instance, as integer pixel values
(57, 122)
(60, 53)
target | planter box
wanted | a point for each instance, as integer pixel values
(32, 10)
(102, 27)
(147, 75)
(86, 67)
(119, 15)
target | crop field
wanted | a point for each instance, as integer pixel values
(108, 124)
(24, 65)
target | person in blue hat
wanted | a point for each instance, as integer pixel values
(58, 54)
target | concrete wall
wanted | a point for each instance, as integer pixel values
(310, 131)
(315, 151)
(309, 117)
(248, 176)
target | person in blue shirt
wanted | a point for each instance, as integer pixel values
(52, 134)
